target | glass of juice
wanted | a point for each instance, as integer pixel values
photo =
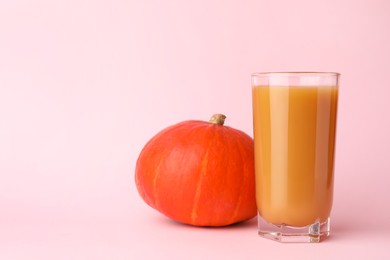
(294, 124)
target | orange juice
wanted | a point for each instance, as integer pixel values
(294, 132)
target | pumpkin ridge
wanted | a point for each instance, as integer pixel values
(203, 172)
(157, 173)
(194, 215)
(167, 131)
(239, 200)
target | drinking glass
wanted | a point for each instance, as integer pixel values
(294, 123)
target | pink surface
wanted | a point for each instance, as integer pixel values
(84, 85)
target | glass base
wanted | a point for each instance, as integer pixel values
(313, 233)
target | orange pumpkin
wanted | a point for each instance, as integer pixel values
(199, 173)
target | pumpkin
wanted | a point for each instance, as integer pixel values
(199, 173)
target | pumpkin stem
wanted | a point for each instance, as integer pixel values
(217, 119)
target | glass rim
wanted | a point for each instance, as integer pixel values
(295, 74)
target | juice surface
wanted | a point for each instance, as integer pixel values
(294, 133)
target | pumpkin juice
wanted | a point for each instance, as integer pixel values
(294, 132)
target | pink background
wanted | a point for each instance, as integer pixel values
(85, 84)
